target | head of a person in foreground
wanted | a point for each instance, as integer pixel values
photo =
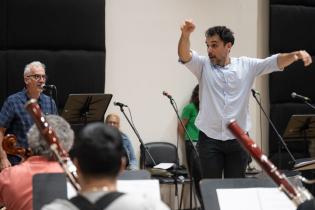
(98, 155)
(39, 145)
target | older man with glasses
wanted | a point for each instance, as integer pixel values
(13, 117)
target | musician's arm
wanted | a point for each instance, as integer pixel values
(286, 59)
(4, 162)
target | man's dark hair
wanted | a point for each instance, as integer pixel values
(225, 34)
(98, 150)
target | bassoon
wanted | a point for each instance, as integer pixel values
(49, 134)
(297, 194)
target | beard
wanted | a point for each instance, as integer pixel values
(216, 61)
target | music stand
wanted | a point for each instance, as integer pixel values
(48, 187)
(85, 108)
(301, 127)
(209, 186)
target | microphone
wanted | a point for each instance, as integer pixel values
(119, 104)
(303, 98)
(255, 92)
(49, 87)
(167, 95)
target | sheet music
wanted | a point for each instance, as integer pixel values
(254, 199)
(164, 165)
(149, 187)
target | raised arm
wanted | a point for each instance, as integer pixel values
(286, 59)
(184, 52)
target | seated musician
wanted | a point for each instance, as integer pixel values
(16, 181)
(14, 119)
(97, 154)
(114, 120)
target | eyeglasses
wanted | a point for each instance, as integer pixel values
(113, 123)
(38, 76)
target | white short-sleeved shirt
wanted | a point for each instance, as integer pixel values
(224, 91)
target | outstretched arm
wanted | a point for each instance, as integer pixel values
(286, 59)
(184, 42)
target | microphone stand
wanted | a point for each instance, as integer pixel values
(145, 149)
(309, 104)
(51, 96)
(281, 141)
(192, 181)
(50, 91)
(56, 97)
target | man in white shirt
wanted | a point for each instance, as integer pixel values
(225, 83)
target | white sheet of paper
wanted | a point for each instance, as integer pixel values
(254, 199)
(164, 165)
(149, 187)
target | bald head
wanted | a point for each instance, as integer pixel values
(113, 120)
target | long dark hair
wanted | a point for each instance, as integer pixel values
(195, 97)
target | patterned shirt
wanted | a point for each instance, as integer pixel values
(16, 119)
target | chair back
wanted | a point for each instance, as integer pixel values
(161, 152)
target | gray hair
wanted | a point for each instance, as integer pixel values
(27, 69)
(39, 145)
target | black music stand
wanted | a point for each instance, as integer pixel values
(85, 108)
(301, 127)
(48, 187)
(209, 186)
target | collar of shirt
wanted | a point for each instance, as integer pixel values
(215, 66)
(26, 98)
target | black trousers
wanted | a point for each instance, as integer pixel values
(221, 158)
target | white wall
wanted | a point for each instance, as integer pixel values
(141, 60)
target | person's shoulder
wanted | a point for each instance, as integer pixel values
(16, 171)
(60, 204)
(189, 106)
(248, 59)
(44, 96)
(137, 202)
(123, 135)
(195, 54)
(15, 96)
(244, 61)
(240, 59)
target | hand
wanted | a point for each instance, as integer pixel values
(304, 56)
(187, 27)
(4, 163)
